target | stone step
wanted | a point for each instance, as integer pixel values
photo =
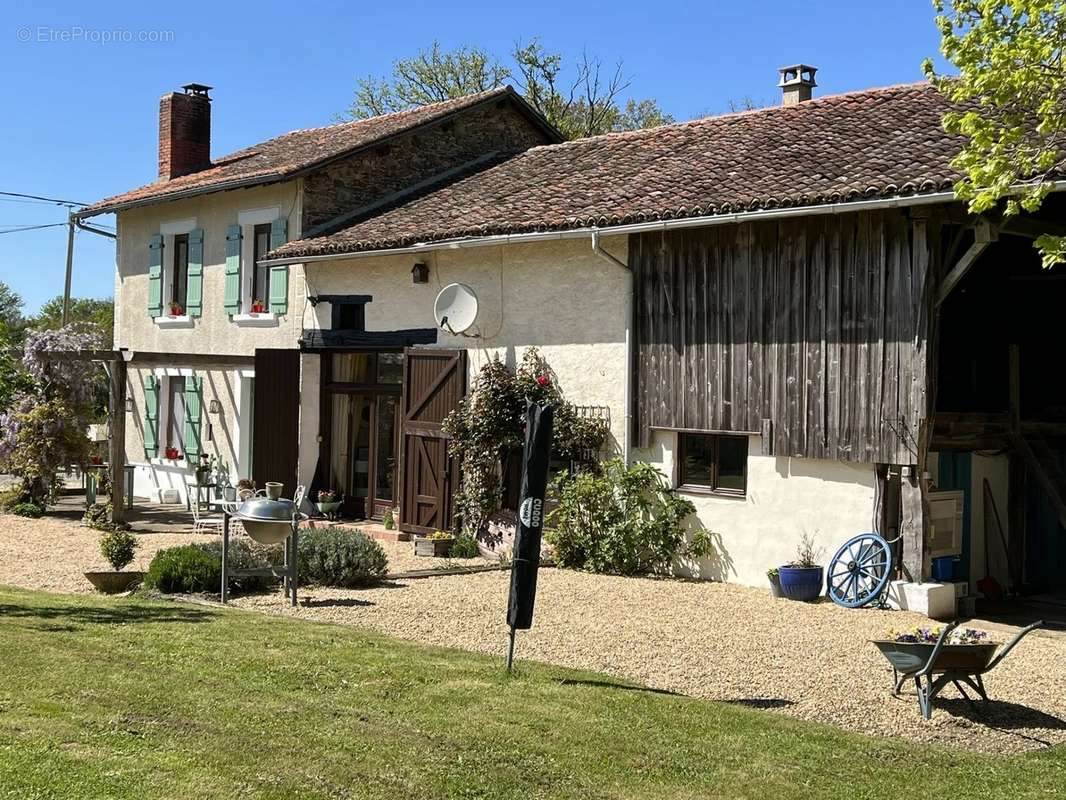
(375, 530)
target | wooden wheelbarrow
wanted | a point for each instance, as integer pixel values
(941, 663)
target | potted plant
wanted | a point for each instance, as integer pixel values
(118, 547)
(803, 578)
(172, 454)
(175, 309)
(437, 544)
(204, 469)
(774, 576)
(327, 502)
(258, 307)
(388, 519)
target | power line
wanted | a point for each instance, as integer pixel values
(34, 227)
(38, 197)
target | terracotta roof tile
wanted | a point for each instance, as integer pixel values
(873, 143)
(277, 158)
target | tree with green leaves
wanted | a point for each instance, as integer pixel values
(582, 100)
(1011, 89)
(11, 319)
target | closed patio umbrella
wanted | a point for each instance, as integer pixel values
(536, 456)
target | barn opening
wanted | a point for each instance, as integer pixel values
(1000, 423)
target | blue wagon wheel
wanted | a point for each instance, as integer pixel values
(860, 570)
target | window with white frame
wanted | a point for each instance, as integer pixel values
(175, 265)
(255, 278)
(175, 432)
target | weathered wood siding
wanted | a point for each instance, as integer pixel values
(813, 331)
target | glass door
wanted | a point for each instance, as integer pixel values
(361, 433)
(385, 448)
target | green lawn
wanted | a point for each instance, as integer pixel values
(105, 698)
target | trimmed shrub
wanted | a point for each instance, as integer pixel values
(118, 547)
(31, 510)
(245, 554)
(184, 570)
(340, 557)
(624, 521)
(465, 546)
(14, 496)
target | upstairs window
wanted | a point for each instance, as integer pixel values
(713, 463)
(179, 274)
(260, 286)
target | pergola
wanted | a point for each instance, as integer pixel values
(117, 362)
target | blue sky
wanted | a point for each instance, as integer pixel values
(80, 112)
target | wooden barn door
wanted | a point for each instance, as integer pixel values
(276, 418)
(434, 382)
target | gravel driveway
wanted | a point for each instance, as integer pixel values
(711, 640)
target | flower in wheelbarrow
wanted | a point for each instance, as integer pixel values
(919, 635)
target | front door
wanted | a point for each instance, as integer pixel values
(360, 429)
(364, 452)
(276, 418)
(434, 383)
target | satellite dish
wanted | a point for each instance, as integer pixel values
(455, 308)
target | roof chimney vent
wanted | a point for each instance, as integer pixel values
(197, 89)
(796, 83)
(184, 131)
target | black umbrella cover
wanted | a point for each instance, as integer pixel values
(535, 459)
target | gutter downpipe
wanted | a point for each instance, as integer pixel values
(627, 313)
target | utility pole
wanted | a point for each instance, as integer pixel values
(70, 267)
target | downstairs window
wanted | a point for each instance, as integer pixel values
(713, 463)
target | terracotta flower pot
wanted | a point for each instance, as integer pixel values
(114, 582)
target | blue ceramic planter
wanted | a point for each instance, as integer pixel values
(801, 583)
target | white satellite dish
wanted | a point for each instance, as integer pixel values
(455, 308)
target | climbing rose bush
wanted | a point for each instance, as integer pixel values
(490, 423)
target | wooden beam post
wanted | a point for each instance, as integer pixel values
(912, 523)
(1016, 477)
(1015, 376)
(983, 235)
(117, 443)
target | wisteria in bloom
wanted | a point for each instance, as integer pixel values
(44, 430)
(71, 380)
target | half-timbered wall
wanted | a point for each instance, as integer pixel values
(810, 331)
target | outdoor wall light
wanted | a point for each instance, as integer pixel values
(420, 273)
(214, 407)
(129, 404)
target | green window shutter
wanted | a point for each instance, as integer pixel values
(151, 416)
(155, 276)
(233, 270)
(193, 405)
(194, 292)
(279, 276)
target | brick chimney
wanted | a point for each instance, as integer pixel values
(184, 131)
(796, 83)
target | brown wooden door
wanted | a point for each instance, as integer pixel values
(276, 418)
(434, 382)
